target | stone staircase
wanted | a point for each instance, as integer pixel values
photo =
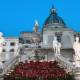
(65, 63)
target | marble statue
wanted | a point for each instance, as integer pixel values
(1, 42)
(59, 47)
(56, 46)
(76, 47)
(1, 48)
(55, 42)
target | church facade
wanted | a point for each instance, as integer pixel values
(53, 26)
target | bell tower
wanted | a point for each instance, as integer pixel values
(36, 26)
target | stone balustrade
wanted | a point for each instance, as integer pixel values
(66, 63)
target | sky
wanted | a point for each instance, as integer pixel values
(20, 15)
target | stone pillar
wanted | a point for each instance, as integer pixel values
(2, 40)
(77, 73)
(77, 70)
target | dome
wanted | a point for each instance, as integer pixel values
(54, 18)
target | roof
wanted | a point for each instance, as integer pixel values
(53, 18)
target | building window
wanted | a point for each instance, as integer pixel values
(26, 46)
(11, 50)
(20, 40)
(59, 38)
(58, 35)
(39, 46)
(12, 44)
(28, 41)
(75, 37)
(3, 50)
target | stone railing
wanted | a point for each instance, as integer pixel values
(65, 62)
(8, 64)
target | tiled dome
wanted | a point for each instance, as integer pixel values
(53, 18)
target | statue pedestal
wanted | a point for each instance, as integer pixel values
(77, 73)
(77, 68)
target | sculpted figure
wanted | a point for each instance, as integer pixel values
(1, 42)
(1, 48)
(56, 46)
(55, 42)
(76, 47)
(59, 47)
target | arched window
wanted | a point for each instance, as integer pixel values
(3, 50)
(28, 41)
(12, 44)
(11, 50)
(58, 35)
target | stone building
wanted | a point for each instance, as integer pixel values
(54, 25)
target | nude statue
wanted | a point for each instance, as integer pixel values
(56, 46)
(59, 48)
(1, 42)
(1, 48)
(76, 47)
